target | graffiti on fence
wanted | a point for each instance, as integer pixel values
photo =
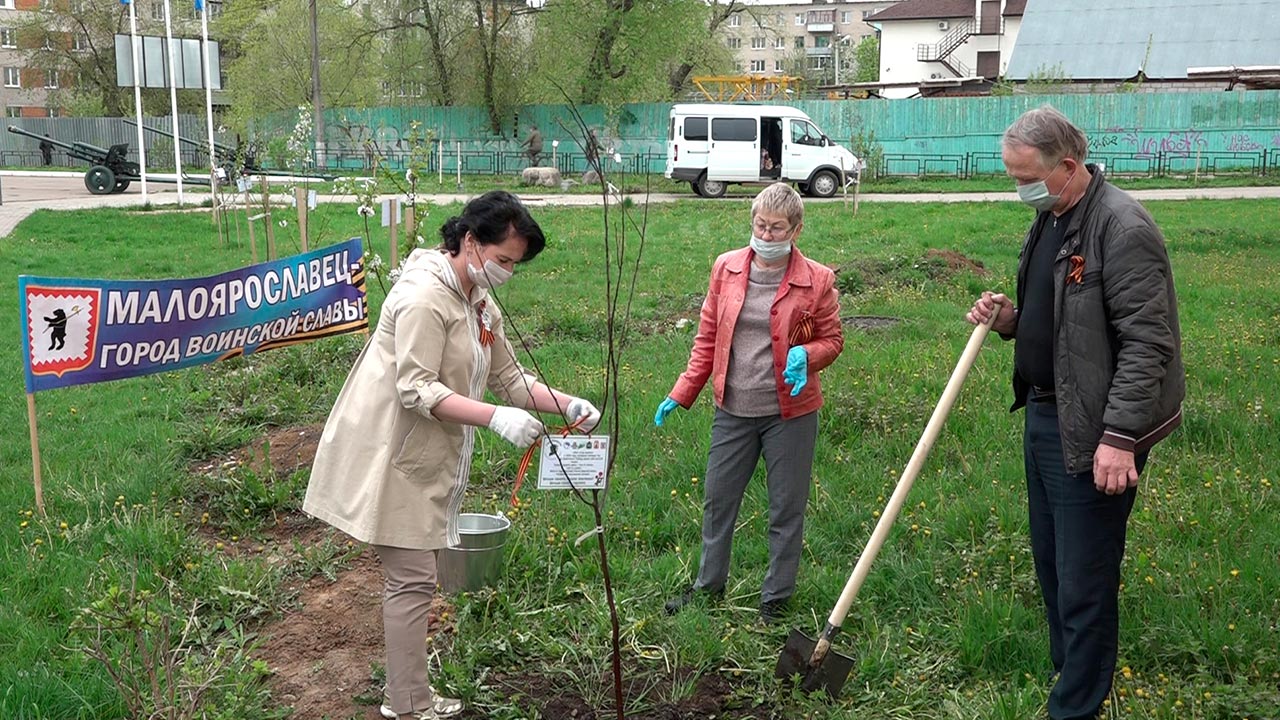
(1098, 142)
(1177, 143)
(1243, 143)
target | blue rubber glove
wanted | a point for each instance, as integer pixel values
(797, 371)
(664, 409)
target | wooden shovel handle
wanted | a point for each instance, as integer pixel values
(900, 493)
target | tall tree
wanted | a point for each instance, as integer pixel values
(269, 42)
(867, 60)
(700, 52)
(420, 41)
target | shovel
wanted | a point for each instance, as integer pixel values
(813, 659)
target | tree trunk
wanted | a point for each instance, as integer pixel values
(680, 75)
(431, 23)
(591, 87)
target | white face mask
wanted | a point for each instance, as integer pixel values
(770, 250)
(490, 277)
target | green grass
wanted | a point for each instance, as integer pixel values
(949, 623)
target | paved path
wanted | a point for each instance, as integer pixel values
(25, 192)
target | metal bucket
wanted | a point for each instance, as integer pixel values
(477, 562)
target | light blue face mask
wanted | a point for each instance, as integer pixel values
(1037, 194)
(770, 250)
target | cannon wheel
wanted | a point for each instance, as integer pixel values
(100, 180)
(121, 186)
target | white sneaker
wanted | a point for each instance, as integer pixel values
(441, 707)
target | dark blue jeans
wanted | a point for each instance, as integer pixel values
(1077, 539)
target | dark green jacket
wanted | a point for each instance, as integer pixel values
(1117, 350)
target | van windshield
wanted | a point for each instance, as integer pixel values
(804, 133)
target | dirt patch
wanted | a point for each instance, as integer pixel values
(869, 322)
(322, 654)
(713, 697)
(957, 262)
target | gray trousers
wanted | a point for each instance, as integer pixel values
(736, 446)
(410, 586)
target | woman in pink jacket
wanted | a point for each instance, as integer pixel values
(769, 324)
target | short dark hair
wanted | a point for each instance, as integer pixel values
(491, 218)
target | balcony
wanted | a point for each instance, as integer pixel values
(818, 51)
(820, 21)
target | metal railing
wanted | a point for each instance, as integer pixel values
(947, 45)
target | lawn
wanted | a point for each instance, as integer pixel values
(150, 546)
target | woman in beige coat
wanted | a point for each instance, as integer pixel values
(395, 456)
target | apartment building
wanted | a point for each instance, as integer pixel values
(32, 91)
(814, 40)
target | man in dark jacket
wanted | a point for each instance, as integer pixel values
(1098, 365)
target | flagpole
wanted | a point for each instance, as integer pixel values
(173, 99)
(136, 45)
(203, 7)
(35, 452)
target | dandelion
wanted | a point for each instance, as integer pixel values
(1235, 572)
(284, 223)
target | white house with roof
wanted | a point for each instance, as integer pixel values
(931, 47)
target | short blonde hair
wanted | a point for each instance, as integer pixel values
(779, 199)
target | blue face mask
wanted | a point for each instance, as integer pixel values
(770, 250)
(1037, 194)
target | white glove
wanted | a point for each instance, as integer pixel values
(515, 426)
(580, 409)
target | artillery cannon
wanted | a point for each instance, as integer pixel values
(109, 170)
(226, 156)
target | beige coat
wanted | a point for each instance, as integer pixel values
(386, 471)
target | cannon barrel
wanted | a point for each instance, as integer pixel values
(199, 144)
(56, 143)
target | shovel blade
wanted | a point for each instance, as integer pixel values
(829, 674)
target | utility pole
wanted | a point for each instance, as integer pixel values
(316, 103)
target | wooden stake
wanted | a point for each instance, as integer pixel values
(300, 196)
(35, 453)
(253, 243)
(266, 219)
(410, 227)
(393, 207)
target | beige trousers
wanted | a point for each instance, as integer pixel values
(410, 585)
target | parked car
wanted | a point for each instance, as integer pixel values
(714, 145)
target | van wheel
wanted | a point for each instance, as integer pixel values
(824, 184)
(696, 191)
(710, 188)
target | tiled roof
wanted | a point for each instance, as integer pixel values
(925, 10)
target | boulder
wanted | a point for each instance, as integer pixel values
(540, 176)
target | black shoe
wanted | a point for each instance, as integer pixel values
(677, 603)
(771, 611)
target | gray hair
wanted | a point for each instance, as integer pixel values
(1050, 132)
(779, 199)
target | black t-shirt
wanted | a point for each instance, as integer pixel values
(1033, 343)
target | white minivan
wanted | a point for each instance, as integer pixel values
(713, 145)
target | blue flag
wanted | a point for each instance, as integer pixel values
(124, 2)
(199, 5)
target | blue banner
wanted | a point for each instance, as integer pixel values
(78, 331)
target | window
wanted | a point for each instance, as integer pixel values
(822, 41)
(51, 79)
(733, 43)
(757, 66)
(818, 62)
(735, 20)
(779, 19)
(741, 129)
(800, 42)
(695, 128)
(48, 42)
(868, 13)
(762, 21)
(802, 133)
(77, 7)
(8, 38)
(779, 43)
(12, 78)
(157, 10)
(6, 5)
(13, 111)
(845, 17)
(777, 66)
(79, 41)
(799, 18)
(757, 43)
